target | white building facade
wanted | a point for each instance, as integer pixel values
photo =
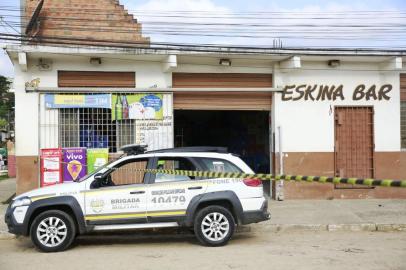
(330, 113)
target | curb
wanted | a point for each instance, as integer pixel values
(365, 227)
(390, 227)
(289, 227)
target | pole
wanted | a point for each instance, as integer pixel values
(279, 193)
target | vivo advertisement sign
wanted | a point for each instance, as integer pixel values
(57, 101)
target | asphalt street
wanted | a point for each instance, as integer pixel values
(251, 250)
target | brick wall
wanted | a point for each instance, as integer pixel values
(86, 19)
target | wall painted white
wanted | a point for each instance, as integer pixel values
(148, 74)
(308, 126)
(34, 121)
(26, 115)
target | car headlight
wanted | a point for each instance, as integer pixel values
(21, 202)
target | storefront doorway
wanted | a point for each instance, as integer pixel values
(354, 143)
(245, 133)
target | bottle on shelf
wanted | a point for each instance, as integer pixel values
(118, 108)
(126, 108)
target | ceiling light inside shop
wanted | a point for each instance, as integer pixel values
(95, 61)
(334, 63)
(225, 62)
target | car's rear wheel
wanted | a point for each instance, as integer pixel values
(214, 226)
(53, 231)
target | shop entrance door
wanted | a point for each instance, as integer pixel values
(245, 133)
(354, 142)
(238, 120)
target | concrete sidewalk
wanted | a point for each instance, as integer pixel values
(332, 215)
(7, 189)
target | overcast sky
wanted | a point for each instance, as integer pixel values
(141, 8)
(265, 5)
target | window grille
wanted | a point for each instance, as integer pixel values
(93, 128)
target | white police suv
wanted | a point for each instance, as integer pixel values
(123, 195)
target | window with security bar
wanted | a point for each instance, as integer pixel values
(94, 128)
(105, 120)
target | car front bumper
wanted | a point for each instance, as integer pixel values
(13, 226)
(256, 216)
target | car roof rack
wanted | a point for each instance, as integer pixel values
(134, 149)
(214, 149)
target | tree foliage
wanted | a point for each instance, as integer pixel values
(6, 103)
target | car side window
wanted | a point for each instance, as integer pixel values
(219, 165)
(173, 163)
(128, 172)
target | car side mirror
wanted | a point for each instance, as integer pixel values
(98, 178)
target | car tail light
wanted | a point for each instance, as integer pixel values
(252, 182)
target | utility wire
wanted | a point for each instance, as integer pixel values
(81, 21)
(151, 45)
(342, 33)
(374, 23)
(281, 16)
(7, 24)
(356, 31)
(360, 12)
(262, 68)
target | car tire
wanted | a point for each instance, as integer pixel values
(53, 231)
(214, 226)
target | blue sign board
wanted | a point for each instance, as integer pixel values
(57, 101)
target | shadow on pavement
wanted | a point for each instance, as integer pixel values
(24, 244)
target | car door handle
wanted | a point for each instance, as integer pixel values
(138, 192)
(198, 187)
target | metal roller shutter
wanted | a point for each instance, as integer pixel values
(226, 100)
(256, 101)
(95, 79)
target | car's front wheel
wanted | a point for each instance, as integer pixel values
(53, 231)
(214, 226)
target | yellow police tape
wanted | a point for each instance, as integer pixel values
(271, 177)
(262, 176)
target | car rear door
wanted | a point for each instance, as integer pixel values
(232, 164)
(168, 195)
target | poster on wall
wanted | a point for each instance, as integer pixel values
(51, 166)
(136, 106)
(58, 101)
(74, 164)
(96, 157)
(157, 133)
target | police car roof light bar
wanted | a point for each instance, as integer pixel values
(214, 149)
(134, 149)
